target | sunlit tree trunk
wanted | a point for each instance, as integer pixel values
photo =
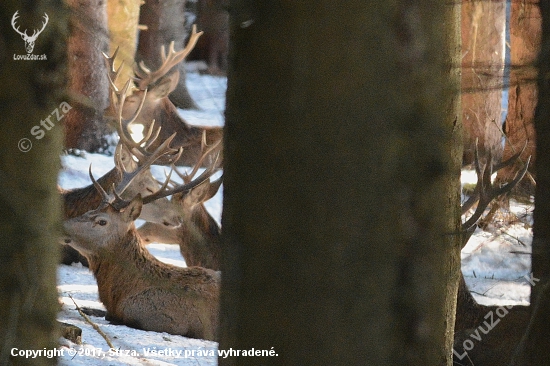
(122, 19)
(483, 42)
(29, 203)
(525, 33)
(341, 182)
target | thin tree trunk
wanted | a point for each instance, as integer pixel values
(165, 21)
(525, 33)
(122, 19)
(85, 125)
(341, 183)
(29, 203)
(483, 42)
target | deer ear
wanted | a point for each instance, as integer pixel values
(166, 85)
(133, 210)
(214, 187)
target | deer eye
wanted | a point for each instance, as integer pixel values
(102, 222)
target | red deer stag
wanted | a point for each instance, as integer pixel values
(151, 96)
(134, 176)
(496, 345)
(199, 235)
(137, 289)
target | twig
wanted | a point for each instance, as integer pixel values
(95, 326)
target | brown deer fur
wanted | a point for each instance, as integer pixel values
(199, 235)
(81, 200)
(137, 289)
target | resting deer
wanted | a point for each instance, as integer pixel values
(151, 96)
(496, 345)
(134, 176)
(137, 289)
(199, 235)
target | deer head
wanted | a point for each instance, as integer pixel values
(152, 87)
(29, 40)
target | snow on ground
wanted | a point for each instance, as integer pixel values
(497, 263)
(494, 263)
(132, 346)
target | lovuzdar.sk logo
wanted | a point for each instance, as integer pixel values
(29, 40)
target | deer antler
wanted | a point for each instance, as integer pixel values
(485, 192)
(189, 183)
(146, 77)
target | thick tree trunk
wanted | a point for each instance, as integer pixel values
(29, 203)
(165, 21)
(483, 42)
(341, 183)
(525, 33)
(85, 125)
(535, 347)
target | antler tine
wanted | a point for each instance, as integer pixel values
(106, 197)
(113, 73)
(145, 77)
(208, 172)
(128, 177)
(180, 188)
(213, 148)
(485, 192)
(512, 159)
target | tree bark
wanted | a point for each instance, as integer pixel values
(85, 124)
(29, 203)
(535, 346)
(341, 183)
(525, 33)
(483, 42)
(165, 21)
(123, 18)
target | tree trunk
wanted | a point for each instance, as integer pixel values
(85, 125)
(525, 33)
(29, 203)
(123, 18)
(535, 346)
(341, 183)
(213, 20)
(165, 21)
(483, 42)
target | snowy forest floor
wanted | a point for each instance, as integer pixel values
(495, 263)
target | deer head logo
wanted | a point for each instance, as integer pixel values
(29, 40)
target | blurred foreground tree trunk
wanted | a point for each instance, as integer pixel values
(85, 124)
(535, 347)
(341, 194)
(29, 204)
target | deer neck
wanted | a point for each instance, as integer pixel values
(200, 239)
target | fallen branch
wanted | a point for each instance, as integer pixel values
(94, 325)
